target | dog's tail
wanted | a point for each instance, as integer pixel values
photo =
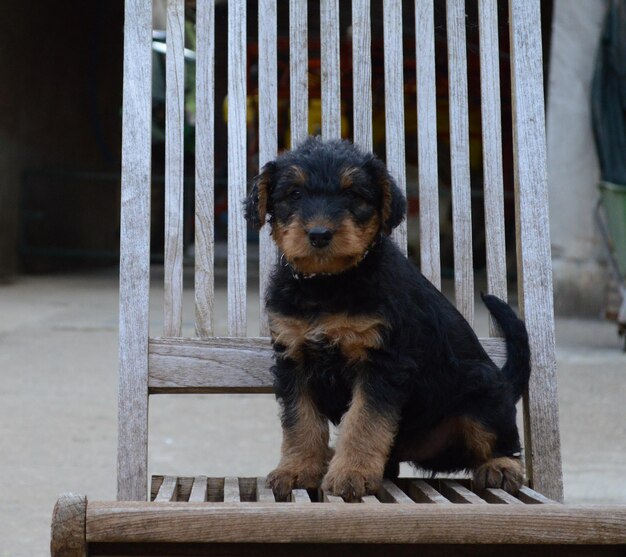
(517, 366)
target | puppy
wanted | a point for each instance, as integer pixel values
(363, 339)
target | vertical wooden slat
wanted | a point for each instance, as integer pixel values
(459, 159)
(430, 259)
(328, 498)
(174, 129)
(362, 75)
(331, 94)
(300, 496)
(268, 134)
(132, 456)
(199, 490)
(492, 151)
(167, 491)
(543, 445)
(237, 247)
(394, 103)
(204, 283)
(264, 494)
(231, 490)
(298, 71)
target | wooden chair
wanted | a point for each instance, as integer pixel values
(238, 516)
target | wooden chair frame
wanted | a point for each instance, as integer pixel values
(200, 511)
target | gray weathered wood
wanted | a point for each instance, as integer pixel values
(167, 491)
(542, 440)
(261, 523)
(391, 493)
(174, 167)
(222, 365)
(263, 494)
(455, 492)
(199, 490)
(492, 150)
(204, 282)
(329, 44)
(237, 159)
(268, 135)
(459, 159)
(231, 490)
(67, 537)
(300, 496)
(298, 71)
(328, 498)
(530, 496)
(430, 258)
(370, 500)
(499, 496)
(422, 492)
(362, 75)
(394, 103)
(132, 460)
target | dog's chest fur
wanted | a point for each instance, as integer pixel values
(352, 335)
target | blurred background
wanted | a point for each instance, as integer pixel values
(60, 139)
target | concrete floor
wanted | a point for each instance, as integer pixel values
(58, 362)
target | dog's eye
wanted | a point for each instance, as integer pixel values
(295, 194)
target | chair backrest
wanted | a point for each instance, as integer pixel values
(172, 364)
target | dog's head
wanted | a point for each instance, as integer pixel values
(327, 202)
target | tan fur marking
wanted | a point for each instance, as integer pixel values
(363, 446)
(262, 185)
(478, 440)
(297, 175)
(346, 178)
(349, 244)
(353, 334)
(505, 473)
(386, 212)
(304, 452)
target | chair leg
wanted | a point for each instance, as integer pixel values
(68, 527)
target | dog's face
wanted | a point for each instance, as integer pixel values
(327, 202)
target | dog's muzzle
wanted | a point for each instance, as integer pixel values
(320, 237)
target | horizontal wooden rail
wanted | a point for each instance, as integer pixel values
(141, 522)
(228, 365)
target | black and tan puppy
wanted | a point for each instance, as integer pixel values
(362, 339)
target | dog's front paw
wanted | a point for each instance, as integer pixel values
(285, 478)
(504, 473)
(350, 483)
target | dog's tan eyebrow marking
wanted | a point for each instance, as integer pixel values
(297, 175)
(347, 176)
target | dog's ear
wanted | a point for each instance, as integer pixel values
(393, 203)
(257, 204)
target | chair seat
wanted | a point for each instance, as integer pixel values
(239, 516)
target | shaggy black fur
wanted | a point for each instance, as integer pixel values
(431, 366)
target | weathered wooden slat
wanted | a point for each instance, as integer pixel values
(167, 491)
(499, 496)
(394, 103)
(531, 496)
(268, 135)
(174, 167)
(231, 490)
(328, 498)
(455, 492)
(331, 94)
(247, 489)
(370, 500)
(199, 490)
(132, 461)
(204, 282)
(263, 494)
(430, 258)
(300, 496)
(422, 492)
(222, 365)
(362, 74)
(391, 493)
(237, 245)
(459, 159)
(543, 445)
(67, 536)
(492, 151)
(259, 523)
(298, 71)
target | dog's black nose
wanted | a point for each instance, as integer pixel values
(320, 237)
